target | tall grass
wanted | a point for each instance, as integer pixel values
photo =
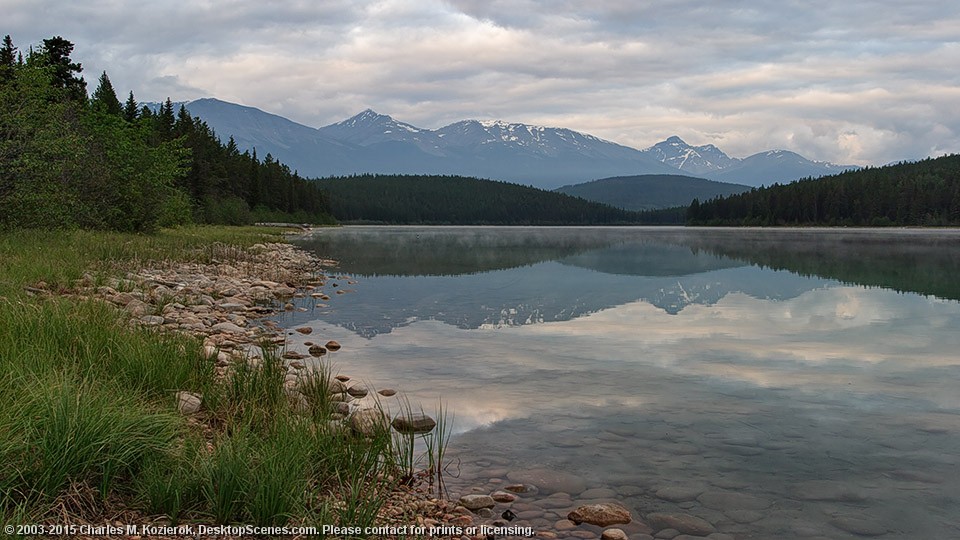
(86, 399)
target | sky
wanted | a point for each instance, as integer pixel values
(860, 82)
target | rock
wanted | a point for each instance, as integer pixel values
(725, 500)
(305, 330)
(152, 320)
(414, 423)
(230, 307)
(527, 489)
(316, 350)
(188, 402)
(564, 525)
(603, 514)
(137, 308)
(229, 328)
(293, 355)
(298, 365)
(744, 516)
(357, 391)
(613, 534)
(475, 502)
(549, 481)
(485, 512)
(333, 346)
(667, 534)
(368, 422)
(684, 523)
(679, 493)
(387, 392)
(503, 496)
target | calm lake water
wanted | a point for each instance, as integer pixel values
(776, 383)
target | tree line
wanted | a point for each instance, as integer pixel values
(72, 160)
(457, 200)
(923, 193)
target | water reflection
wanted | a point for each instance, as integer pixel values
(791, 406)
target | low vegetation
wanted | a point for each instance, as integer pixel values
(89, 428)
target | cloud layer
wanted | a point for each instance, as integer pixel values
(861, 82)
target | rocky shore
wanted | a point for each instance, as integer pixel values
(226, 301)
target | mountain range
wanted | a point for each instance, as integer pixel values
(543, 157)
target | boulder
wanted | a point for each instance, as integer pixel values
(188, 402)
(603, 514)
(368, 422)
(414, 423)
(476, 501)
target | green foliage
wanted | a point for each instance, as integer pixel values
(65, 163)
(925, 193)
(455, 200)
(650, 191)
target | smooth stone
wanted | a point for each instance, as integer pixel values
(357, 391)
(684, 523)
(188, 402)
(476, 501)
(549, 481)
(485, 512)
(228, 327)
(293, 355)
(305, 330)
(503, 496)
(152, 320)
(332, 346)
(387, 392)
(744, 516)
(679, 493)
(613, 534)
(316, 350)
(584, 535)
(629, 491)
(603, 515)
(414, 423)
(564, 525)
(523, 489)
(724, 500)
(667, 534)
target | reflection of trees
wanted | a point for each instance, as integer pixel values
(923, 262)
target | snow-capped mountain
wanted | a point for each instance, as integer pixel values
(763, 168)
(545, 157)
(695, 160)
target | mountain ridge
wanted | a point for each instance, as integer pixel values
(544, 157)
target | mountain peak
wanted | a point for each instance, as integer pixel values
(675, 140)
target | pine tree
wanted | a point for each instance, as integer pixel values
(8, 58)
(66, 73)
(130, 109)
(104, 98)
(166, 118)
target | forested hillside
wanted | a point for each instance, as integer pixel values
(651, 191)
(456, 200)
(925, 193)
(69, 160)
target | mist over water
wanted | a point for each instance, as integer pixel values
(797, 383)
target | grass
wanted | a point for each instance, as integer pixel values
(87, 400)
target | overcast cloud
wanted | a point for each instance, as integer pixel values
(856, 82)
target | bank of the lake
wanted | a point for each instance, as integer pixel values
(141, 386)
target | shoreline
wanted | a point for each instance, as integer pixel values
(225, 302)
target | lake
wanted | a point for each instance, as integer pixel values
(774, 383)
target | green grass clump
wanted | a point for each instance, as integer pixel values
(87, 402)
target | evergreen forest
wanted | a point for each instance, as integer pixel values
(457, 200)
(923, 193)
(72, 160)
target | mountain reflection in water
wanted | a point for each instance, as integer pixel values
(811, 374)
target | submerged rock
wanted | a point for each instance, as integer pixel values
(603, 514)
(476, 502)
(685, 523)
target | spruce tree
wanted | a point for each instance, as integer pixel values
(130, 109)
(104, 98)
(8, 59)
(66, 73)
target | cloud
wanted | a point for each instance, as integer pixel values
(864, 82)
